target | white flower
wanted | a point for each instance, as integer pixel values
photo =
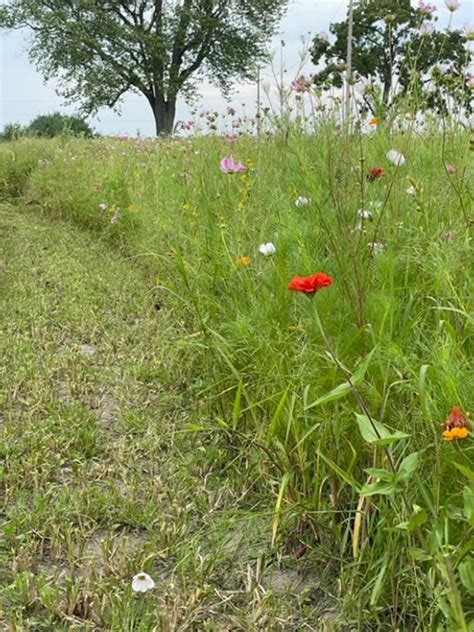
(302, 201)
(362, 85)
(142, 583)
(364, 213)
(396, 157)
(377, 247)
(411, 190)
(267, 249)
(103, 206)
(115, 217)
(452, 5)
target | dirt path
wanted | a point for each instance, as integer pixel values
(100, 478)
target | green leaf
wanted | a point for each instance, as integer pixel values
(361, 370)
(380, 487)
(343, 389)
(340, 391)
(466, 573)
(416, 520)
(376, 433)
(276, 518)
(468, 494)
(422, 388)
(407, 467)
(384, 475)
(419, 555)
(465, 470)
(272, 427)
(237, 405)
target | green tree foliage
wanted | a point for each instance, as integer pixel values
(396, 52)
(12, 131)
(100, 50)
(51, 125)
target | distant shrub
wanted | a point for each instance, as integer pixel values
(12, 131)
(51, 125)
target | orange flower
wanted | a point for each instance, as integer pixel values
(374, 121)
(244, 260)
(456, 425)
(455, 433)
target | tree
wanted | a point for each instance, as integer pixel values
(55, 124)
(100, 49)
(397, 52)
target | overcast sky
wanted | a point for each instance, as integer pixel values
(24, 95)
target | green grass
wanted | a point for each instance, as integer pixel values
(168, 409)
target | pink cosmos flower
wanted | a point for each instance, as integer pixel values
(426, 7)
(426, 27)
(228, 165)
(452, 5)
(469, 31)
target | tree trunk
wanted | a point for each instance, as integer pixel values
(164, 111)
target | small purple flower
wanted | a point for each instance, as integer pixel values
(450, 168)
(301, 84)
(228, 165)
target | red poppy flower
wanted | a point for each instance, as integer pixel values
(375, 172)
(310, 284)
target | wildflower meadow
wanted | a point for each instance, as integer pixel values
(237, 379)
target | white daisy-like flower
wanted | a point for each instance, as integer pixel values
(377, 247)
(411, 190)
(396, 157)
(267, 249)
(142, 583)
(364, 213)
(302, 201)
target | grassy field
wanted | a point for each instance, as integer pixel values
(273, 461)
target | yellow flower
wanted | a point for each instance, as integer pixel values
(185, 206)
(374, 120)
(455, 433)
(244, 260)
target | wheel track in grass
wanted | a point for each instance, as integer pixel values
(99, 479)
